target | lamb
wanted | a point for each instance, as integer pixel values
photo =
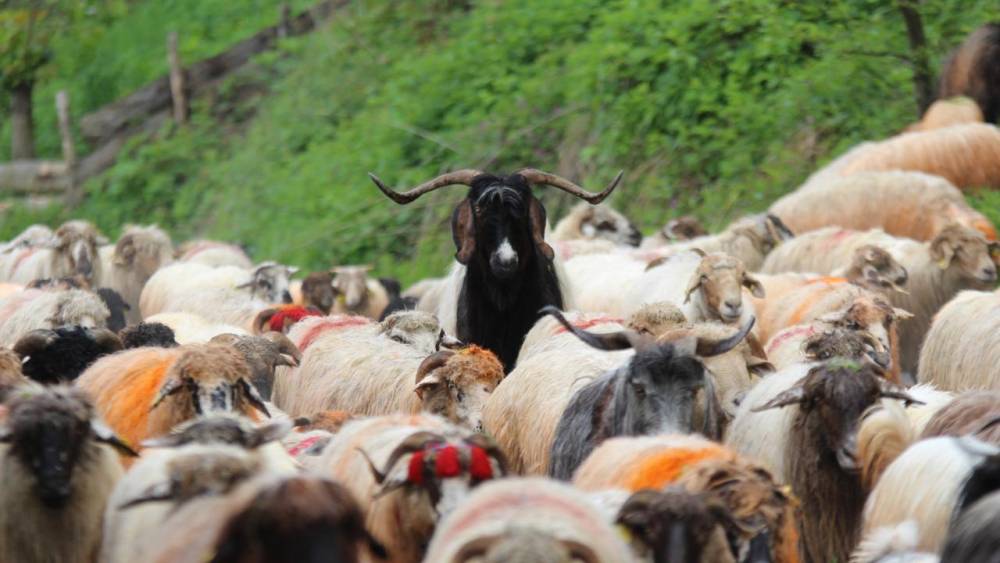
(143, 393)
(408, 471)
(948, 112)
(54, 489)
(128, 265)
(972, 70)
(263, 354)
(213, 253)
(35, 309)
(202, 456)
(148, 334)
(957, 258)
(749, 239)
(300, 518)
(72, 249)
(654, 392)
(226, 294)
(901, 494)
(316, 291)
(60, 355)
(966, 155)
(904, 204)
(829, 401)
(596, 222)
(960, 352)
(191, 328)
(526, 520)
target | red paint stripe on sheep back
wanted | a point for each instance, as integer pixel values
(336, 322)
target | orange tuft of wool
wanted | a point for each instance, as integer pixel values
(659, 469)
(128, 413)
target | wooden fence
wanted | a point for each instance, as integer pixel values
(143, 111)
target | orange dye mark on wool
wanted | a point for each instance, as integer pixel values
(656, 470)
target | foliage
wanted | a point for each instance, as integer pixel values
(713, 108)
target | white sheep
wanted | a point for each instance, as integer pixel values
(32, 309)
(71, 250)
(750, 239)
(961, 351)
(192, 328)
(596, 222)
(127, 265)
(213, 253)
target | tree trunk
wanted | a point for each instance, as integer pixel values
(22, 125)
(923, 78)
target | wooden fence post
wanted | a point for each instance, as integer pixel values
(176, 80)
(284, 18)
(74, 194)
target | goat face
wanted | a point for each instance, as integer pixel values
(967, 251)
(660, 389)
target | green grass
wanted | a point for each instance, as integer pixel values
(713, 109)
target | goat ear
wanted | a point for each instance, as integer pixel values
(756, 288)
(696, 281)
(270, 432)
(427, 384)
(103, 433)
(171, 386)
(253, 397)
(792, 396)
(536, 214)
(463, 231)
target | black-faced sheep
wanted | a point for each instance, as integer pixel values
(408, 471)
(61, 354)
(507, 272)
(57, 472)
(527, 521)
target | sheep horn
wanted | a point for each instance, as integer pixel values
(458, 177)
(413, 443)
(579, 551)
(621, 340)
(433, 362)
(449, 342)
(781, 227)
(285, 346)
(708, 348)
(155, 493)
(989, 424)
(890, 390)
(263, 318)
(535, 176)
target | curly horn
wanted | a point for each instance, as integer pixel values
(458, 177)
(535, 176)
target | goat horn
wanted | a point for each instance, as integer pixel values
(459, 177)
(709, 348)
(890, 390)
(989, 424)
(433, 362)
(621, 340)
(535, 176)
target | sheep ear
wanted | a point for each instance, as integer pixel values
(253, 397)
(124, 253)
(756, 288)
(172, 385)
(942, 251)
(792, 396)
(155, 493)
(270, 432)
(463, 231)
(536, 215)
(696, 281)
(427, 384)
(103, 433)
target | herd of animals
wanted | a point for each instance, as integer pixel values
(820, 382)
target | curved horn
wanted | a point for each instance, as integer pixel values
(263, 318)
(890, 390)
(433, 362)
(989, 424)
(709, 348)
(621, 340)
(461, 177)
(535, 176)
(413, 443)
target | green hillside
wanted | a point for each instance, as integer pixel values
(714, 108)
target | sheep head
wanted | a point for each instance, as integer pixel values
(148, 334)
(872, 266)
(418, 330)
(500, 226)
(720, 279)
(221, 428)
(442, 470)
(840, 342)
(143, 250)
(209, 378)
(676, 525)
(350, 287)
(873, 315)
(317, 291)
(833, 396)
(665, 375)
(967, 252)
(263, 355)
(683, 228)
(603, 222)
(765, 231)
(269, 282)
(199, 473)
(456, 385)
(48, 431)
(77, 242)
(61, 354)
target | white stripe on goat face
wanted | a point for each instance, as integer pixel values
(505, 252)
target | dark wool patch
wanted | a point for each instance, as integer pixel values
(148, 334)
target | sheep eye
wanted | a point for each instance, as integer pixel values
(264, 284)
(398, 338)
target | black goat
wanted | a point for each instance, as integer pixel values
(499, 234)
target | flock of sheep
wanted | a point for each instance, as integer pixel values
(817, 383)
